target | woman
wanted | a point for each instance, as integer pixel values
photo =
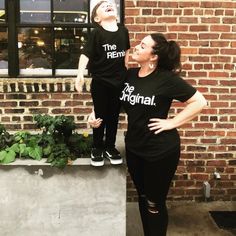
(152, 141)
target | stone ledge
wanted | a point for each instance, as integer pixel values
(38, 85)
(29, 162)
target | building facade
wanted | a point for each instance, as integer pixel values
(40, 45)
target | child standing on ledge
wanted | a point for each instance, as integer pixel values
(106, 54)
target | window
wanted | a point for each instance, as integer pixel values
(44, 37)
(3, 40)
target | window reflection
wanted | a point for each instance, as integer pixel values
(34, 51)
(69, 43)
(3, 52)
(41, 24)
(2, 11)
(70, 11)
(35, 11)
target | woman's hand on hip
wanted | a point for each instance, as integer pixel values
(159, 125)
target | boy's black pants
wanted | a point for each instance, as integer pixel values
(107, 107)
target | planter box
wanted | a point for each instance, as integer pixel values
(81, 200)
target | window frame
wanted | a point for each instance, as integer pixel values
(13, 24)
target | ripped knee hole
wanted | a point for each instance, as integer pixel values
(152, 207)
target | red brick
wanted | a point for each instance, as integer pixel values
(167, 20)
(189, 20)
(200, 176)
(220, 28)
(8, 104)
(61, 111)
(216, 163)
(51, 103)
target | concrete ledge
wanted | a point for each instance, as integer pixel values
(37, 199)
(30, 162)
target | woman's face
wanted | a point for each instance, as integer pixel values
(143, 51)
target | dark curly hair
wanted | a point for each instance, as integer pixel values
(168, 52)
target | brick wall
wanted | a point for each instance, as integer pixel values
(206, 31)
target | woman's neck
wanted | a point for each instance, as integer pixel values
(145, 70)
(109, 25)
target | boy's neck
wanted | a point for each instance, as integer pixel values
(109, 25)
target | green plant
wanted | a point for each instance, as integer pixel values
(58, 142)
(55, 136)
(5, 138)
(59, 155)
(60, 124)
(80, 144)
(25, 146)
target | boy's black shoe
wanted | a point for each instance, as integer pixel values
(113, 155)
(97, 157)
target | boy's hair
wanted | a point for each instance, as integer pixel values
(94, 12)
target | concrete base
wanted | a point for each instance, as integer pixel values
(80, 200)
(185, 219)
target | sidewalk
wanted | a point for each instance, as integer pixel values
(185, 219)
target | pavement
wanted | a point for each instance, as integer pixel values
(185, 218)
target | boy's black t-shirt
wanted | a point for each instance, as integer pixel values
(106, 53)
(151, 97)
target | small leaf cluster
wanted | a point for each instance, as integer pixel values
(23, 145)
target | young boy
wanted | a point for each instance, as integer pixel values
(106, 54)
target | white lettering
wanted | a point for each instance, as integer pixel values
(111, 51)
(108, 47)
(133, 99)
(111, 55)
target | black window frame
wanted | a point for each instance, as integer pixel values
(12, 24)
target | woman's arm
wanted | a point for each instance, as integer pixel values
(194, 106)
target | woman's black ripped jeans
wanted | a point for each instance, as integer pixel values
(152, 181)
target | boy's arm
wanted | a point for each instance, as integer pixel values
(79, 80)
(93, 122)
(127, 58)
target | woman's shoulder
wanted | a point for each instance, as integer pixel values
(131, 73)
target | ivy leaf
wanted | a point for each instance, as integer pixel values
(60, 162)
(51, 158)
(10, 157)
(14, 147)
(23, 150)
(47, 150)
(35, 152)
(2, 155)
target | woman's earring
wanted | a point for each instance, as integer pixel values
(151, 66)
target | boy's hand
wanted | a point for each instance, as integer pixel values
(93, 122)
(79, 83)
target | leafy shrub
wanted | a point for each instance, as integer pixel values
(58, 142)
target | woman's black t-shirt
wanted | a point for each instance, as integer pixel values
(106, 53)
(151, 97)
